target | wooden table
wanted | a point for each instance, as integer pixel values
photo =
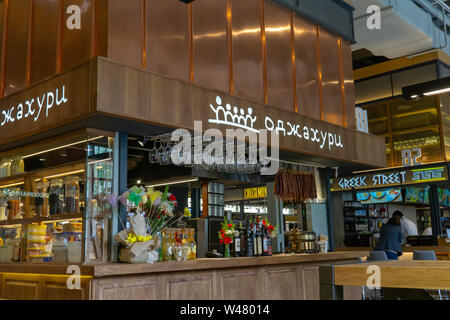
(397, 274)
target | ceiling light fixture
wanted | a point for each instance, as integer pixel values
(61, 147)
(427, 89)
(172, 183)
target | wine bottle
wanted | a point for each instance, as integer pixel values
(260, 240)
(250, 243)
(265, 244)
(269, 244)
(255, 239)
(237, 246)
(242, 237)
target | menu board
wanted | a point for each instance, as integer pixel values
(381, 196)
(444, 197)
(417, 195)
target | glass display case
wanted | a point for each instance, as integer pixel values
(52, 199)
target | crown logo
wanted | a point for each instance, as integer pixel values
(233, 116)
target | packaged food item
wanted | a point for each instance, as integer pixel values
(3, 211)
(5, 168)
(72, 227)
(41, 201)
(14, 212)
(36, 238)
(56, 197)
(72, 195)
(17, 166)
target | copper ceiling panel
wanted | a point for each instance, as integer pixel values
(247, 49)
(211, 58)
(125, 32)
(306, 69)
(44, 39)
(279, 57)
(168, 38)
(16, 50)
(349, 85)
(329, 56)
(76, 46)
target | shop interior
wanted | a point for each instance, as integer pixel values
(364, 212)
(49, 192)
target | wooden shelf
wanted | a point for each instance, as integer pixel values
(73, 166)
(42, 219)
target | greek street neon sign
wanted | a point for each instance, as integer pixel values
(36, 107)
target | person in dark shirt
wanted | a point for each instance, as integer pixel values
(391, 239)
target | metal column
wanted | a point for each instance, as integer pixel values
(329, 210)
(435, 207)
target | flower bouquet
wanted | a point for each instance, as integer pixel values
(155, 212)
(140, 246)
(271, 230)
(159, 209)
(227, 234)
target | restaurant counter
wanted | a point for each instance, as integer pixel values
(279, 277)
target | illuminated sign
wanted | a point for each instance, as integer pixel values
(34, 108)
(255, 193)
(391, 178)
(225, 114)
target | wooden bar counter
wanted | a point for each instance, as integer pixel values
(284, 277)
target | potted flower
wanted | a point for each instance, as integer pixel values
(227, 234)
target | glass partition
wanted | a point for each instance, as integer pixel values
(47, 189)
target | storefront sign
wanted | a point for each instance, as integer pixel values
(391, 178)
(54, 103)
(245, 119)
(34, 107)
(255, 193)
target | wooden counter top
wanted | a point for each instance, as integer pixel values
(397, 274)
(404, 248)
(113, 269)
(44, 268)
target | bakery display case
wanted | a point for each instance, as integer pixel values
(50, 210)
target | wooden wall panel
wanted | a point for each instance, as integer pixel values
(195, 286)
(127, 288)
(150, 98)
(311, 284)
(21, 289)
(240, 284)
(283, 283)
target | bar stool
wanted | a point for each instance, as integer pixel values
(377, 256)
(426, 256)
